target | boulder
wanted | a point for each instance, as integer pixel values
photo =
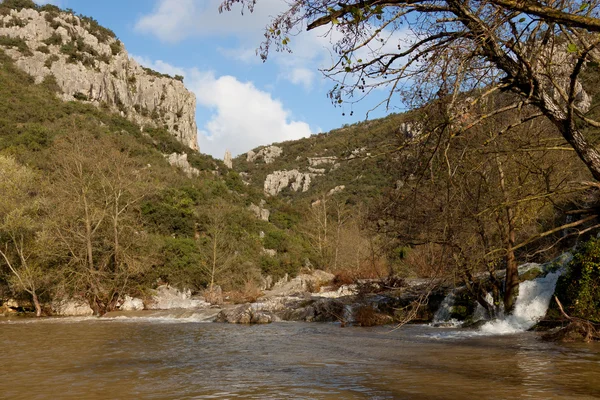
(71, 307)
(166, 297)
(245, 314)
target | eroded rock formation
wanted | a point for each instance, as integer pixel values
(96, 68)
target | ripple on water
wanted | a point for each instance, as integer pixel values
(148, 358)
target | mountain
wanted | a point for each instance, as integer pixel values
(88, 63)
(103, 190)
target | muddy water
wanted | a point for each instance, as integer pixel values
(170, 358)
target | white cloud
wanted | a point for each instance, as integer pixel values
(241, 115)
(42, 2)
(175, 20)
(301, 76)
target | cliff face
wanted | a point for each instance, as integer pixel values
(90, 64)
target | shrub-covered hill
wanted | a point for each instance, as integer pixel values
(356, 157)
(91, 207)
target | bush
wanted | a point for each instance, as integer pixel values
(54, 40)
(50, 60)
(80, 96)
(115, 47)
(17, 43)
(579, 288)
(43, 49)
(18, 4)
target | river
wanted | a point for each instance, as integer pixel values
(168, 357)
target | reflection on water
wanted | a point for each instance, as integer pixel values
(166, 358)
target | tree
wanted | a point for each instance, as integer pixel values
(217, 241)
(21, 235)
(428, 49)
(96, 186)
(458, 53)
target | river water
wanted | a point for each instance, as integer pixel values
(179, 358)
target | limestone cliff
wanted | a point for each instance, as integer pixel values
(89, 64)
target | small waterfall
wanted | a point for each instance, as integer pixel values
(443, 316)
(532, 304)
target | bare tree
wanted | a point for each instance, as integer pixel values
(428, 49)
(96, 187)
(20, 230)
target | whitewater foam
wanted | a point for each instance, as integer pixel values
(532, 303)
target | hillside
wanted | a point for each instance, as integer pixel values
(95, 204)
(86, 62)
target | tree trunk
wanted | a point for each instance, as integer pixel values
(36, 303)
(511, 285)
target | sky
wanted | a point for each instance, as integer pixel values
(242, 102)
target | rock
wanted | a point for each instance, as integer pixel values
(336, 189)
(245, 314)
(342, 291)
(259, 211)
(269, 252)
(316, 161)
(279, 180)
(166, 297)
(410, 130)
(131, 304)
(319, 171)
(227, 160)
(93, 73)
(266, 282)
(267, 154)
(71, 307)
(181, 161)
(301, 283)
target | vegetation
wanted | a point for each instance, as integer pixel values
(579, 288)
(105, 214)
(461, 55)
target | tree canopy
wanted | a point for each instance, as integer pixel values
(423, 50)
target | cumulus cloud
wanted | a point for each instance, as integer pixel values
(241, 115)
(42, 2)
(175, 20)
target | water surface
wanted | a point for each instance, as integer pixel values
(170, 358)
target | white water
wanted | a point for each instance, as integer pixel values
(532, 304)
(442, 317)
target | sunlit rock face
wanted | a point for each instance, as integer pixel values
(267, 154)
(94, 67)
(279, 180)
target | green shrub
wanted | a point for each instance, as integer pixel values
(43, 49)
(50, 83)
(50, 60)
(15, 21)
(116, 47)
(18, 4)
(54, 40)
(80, 96)
(579, 288)
(16, 43)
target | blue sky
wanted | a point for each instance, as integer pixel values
(242, 102)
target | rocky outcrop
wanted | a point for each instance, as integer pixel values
(71, 307)
(227, 160)
(95, 68)
(410, 130)
(336, 189)
(267, 154)
(260, 211)
(181, 161)
(246, 314)
(279, 180)
(131, 304)
(166, 297)
(316, 161)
